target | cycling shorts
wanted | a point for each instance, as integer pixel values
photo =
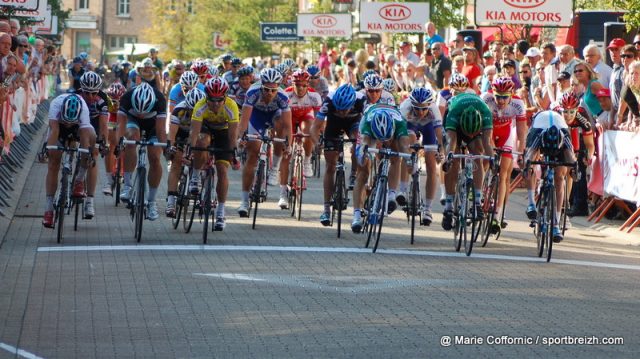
(261, 121)
(148, 126)
(220, 140)
(428, 132)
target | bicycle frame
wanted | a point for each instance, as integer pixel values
(297, 180)
(340, 196)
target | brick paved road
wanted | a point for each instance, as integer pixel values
(300, 292)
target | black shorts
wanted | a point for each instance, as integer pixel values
(68, 134)
(182, 138)
(148, 126)
(95, 122)
(220, 140)
(464, 139)
(335, 129)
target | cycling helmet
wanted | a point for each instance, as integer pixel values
(470, 121)
(344, 97)
(368, 72)
(225, 58)
(71, 109)
(503, 85)
(200, 68)
(143, 98)
(389, 85)
(116, 90)
(147, 62)
(216, 87)
(373, 82)
(236, 61)
(193, 97)
(270, 75)
(551, 139)
(90, 81)
(290, 64)
(421, 97)
(213, 71)
(383, 124)
(300, 76)
(458, 81)
(282, 69)
(313, 70)
(189, 79)
(83, 55)
(569, 100)
(245, 71)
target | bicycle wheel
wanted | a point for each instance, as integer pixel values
(338, 198)
(256, 192)
(490, 209)
(550, 209)
(315, 158)
(206, 207)
(540, 230)
(77, 203)
(117, 181)
(293, 186)
(413, 203)
(182, 186)
(62, 204)
(469, 218)
(370, 208)
(139, 204)
(300, 179)
(565, 206)
(459, 225)
(381, 198)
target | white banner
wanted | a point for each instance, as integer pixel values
(37, 13)
(393, 17)
(24, 4)
(621, 167)
(524, 12)
(324, 25)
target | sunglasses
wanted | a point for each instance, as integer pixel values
(301, 85)
(269, 89)
(420, 109)
(314, 77)
(215, 99)
(25, 46)
(502, 97)
(92, 93)
(374, 90)
(523, 72)
(637, 43)
(577, 71)
(570, 112)
(627, 56)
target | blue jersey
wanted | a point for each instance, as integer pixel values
(176, 96)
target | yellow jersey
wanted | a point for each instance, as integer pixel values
(227, 114)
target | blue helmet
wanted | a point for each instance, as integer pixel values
(551, 139)
(236, 61)
(282, 69)
(143, 98)
(313, 70)
(193, 97)
(389, 85)
(344, 97)
(421, 97)
(71, 109)
(382, 124)
(367, 73)
(245, 71)
(373, 81)
(270, 75)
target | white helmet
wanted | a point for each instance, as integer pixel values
(270, 75)
(143, 98)
(90, 82)
(189, 79)
(193, 97)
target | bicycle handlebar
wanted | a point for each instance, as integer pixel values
(145, 143)
(427, 148)
(212, 150)
(501, 151)
(553, 163)
(265, 138)
(68, 149)
(389, 153)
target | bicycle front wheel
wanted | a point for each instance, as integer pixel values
(62, 204)
(459, 224)
(381, 200)
(414, 204)
(256, 193)
(338, 198)
(540, 229)
(470, 218)
(301, 182)
(206, 206)
(550, 218)
(182, 194)
(491, 199)
(139, 202)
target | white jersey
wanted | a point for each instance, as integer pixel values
(386, 99)
(406, 109)
(515, 110)
(547, 119)
(56, 107)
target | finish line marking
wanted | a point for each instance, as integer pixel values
(22, 353)
(195, 247)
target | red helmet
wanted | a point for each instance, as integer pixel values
(116, 90)
(200, 68)
(300, 76)
(216, 87)
(503, 85)
(569, 100)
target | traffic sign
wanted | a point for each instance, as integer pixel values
(279, 31)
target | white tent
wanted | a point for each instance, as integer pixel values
(134, 49)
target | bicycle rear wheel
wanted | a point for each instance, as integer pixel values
(490, 208)
(139, 203)
(550, 210)
(206, 207)
(300, 189)
(256, 193)
(61, 205)
(414, 204)
(315, 159)
(470, 218)
(381, 199)
(459, 225)
(182, 185)
(117, 181)
(338, 198)
(565, 207)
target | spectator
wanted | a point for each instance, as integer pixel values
(584, 74)
(441, 66)
(458, 43)
(540, 92)
(522, 46)
(324, 63)
(334, 61)
(370, 48)
(361, 58)
(490, 73)
(15, 26)
(431, 37)
(551, 69)
(471, 69)
(636, 43)
(496, 51)
(533, 55)
(593, 57)
(508, 54)
(629, 96)
(567, 58)
(407, 55)
(615, 49)
(488, 59)
(564, 83)
(509, 69)
(458, 64)
(153, 54)
(75, 72)
(606, 118)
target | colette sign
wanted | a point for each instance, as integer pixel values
(324, 25)
(393, 17)
(536, 12)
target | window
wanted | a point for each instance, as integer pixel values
(187, 4)
(117, 42)
(122, 8)
(83, 4)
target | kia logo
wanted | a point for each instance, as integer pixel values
(395, 12)
(525, 4)
(324, 21)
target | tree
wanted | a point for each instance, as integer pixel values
(172, 25)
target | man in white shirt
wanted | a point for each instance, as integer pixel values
(593, 57)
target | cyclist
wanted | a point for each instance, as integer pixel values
(99, 104)
(389, 85)
(265, 106)
(303, 103)
(202, 70)
(374, 91)
(179, 129)
(188, 80)
(549, 134)
(173, 74)
(284, 71)
(380, 123)
(215, 119)
(143, 109)
(423, 120)
(509, 131)
(115, 92)
(468, 121)
(238, 90)
(68, 117)
(458, 83)
(231, 76)
(340, 114)
(318, 82)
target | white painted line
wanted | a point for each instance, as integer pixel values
(408, 252)
(22, 353)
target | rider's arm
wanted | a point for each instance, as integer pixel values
(316, 128)
(244, 118)
(173, 131)
(487, 140)
(54, 132)
(286, 117)
(233, 122)
(589, 144)
(161, 127)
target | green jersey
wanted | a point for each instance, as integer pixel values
(400, 123)
(461, 102)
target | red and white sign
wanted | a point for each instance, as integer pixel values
(621, 165)
(218, 42)
(393, 16)
(40, 12)
(24, 4)
(524, 12)
(324, 25)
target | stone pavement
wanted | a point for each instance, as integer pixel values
(292, 289)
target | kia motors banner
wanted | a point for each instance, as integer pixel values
(324, 25)
(393, 17)
(524, 12)
(621, 165)
(22, 4)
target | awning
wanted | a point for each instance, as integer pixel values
(496, 32)
(134, 49)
